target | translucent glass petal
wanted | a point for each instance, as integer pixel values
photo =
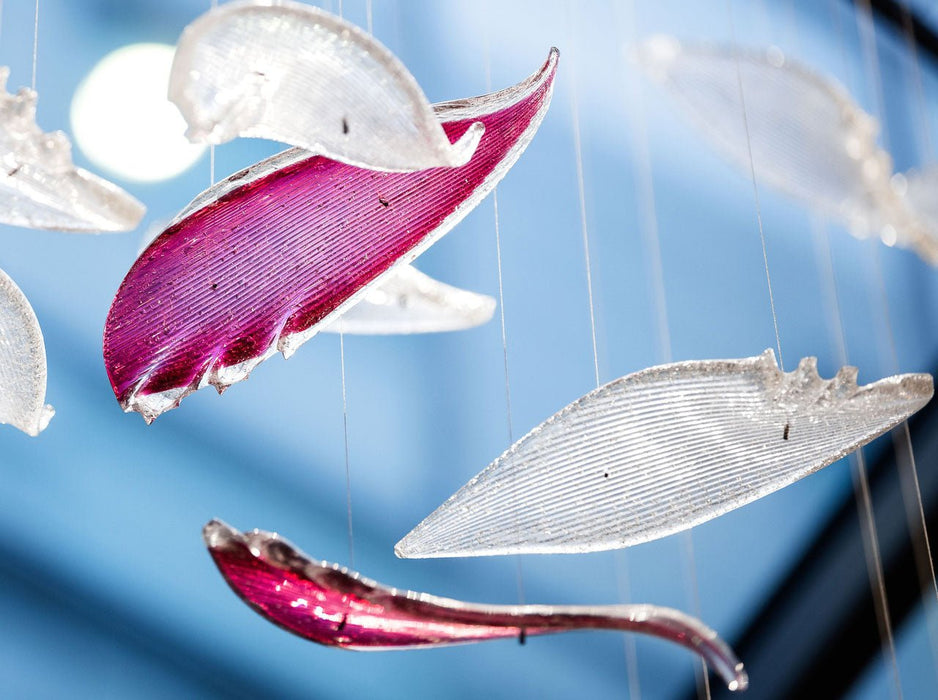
(294, 73)
(331, 605)
(41, 188)
(22, 363)
(660, 451)
(260, 262)
(408, 301)
(808, 137)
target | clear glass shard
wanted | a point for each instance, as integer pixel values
(297, 74)
(22, 363)
(408, 301)
(808, 136)
(661, 451)
(41, 188)
(264, 260)
(331, 605)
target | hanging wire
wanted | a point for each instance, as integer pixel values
(620, 558)
(912, 492)
(902, 438)
(651, 235)
(348, 471)
(501, 309)
(859, 476)
(859, 473)
(755, 187)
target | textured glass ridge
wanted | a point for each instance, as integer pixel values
(41, 188)
(293, 73)
(661, 451)
(260, 262)
(22, 363)
(331, 605)
(408, 301)
(808, 137)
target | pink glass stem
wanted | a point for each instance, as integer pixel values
(260, 266)
(336, 607)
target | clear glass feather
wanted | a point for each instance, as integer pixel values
(41, 188)
(294, 73)
(808, 136)
(661, 451)
(331, 605)
(22, 363)
(261, 262)
(408, 301)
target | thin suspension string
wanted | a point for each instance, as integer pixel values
(859, 477)
(35, 45)
(581, 193)
(859, 474)
(620, 558)
(902, 437)
(348, 471)
(755, 187)
(348, 461)
(501, 308)
(911, 489)
(369, 17)
(652, 240)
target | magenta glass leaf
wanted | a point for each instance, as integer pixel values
(331, 605)
(261, 261)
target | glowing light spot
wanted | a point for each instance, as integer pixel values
(299, 603)
(123, 121)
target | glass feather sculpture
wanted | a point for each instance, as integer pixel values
(808, 137)
(408, 301)
(331, 605)
(263, 261)
(41, 188)
(405, 303)
(22, 363)
(293, 73)
(661, 451)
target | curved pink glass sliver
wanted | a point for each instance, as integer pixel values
(258, 262)
(331, 605)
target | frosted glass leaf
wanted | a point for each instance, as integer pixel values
(22, 363)
(660, 451)
(261, 262)
(331, 605)
(408, 301)
(293, 73)
(808, 137)
(41, 188)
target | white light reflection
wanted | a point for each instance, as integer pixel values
(123, 121)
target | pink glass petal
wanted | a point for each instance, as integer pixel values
(331, 605)
(257, 266)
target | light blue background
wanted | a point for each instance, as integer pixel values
(106, 588)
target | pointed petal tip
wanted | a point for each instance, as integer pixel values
(740, 681)
(217, 533)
